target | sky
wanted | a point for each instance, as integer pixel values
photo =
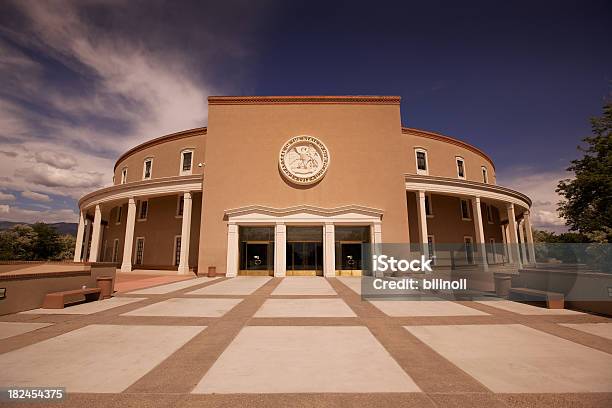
(83, 81)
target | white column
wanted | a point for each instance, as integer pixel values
(231, 268)
(85, 253)
(422, 216)
(329, 250)
(513, 250)
(521, 226)
(183, 267)
(280, 250)
(376, 238)
(95, 235)
(78, 247)
(130, 221)
(479, 231)
(504, 234)
(529, 233)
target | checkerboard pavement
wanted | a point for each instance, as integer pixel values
(297, 342)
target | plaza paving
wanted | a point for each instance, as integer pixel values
(258, 341)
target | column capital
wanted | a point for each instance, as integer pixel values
(526, 213)
(187, 195)
(476, 199)
(131, 201)
(510, 206)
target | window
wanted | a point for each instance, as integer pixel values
(147, 169)
(431, 248)
(139, 255)
(124, 175)
(144, 210)
(119, 211)
(493, 252)
(489, 211)
(465, 210)
(186, 162)
(421, 161)
(177, 250)
(428, 207)
(469, 250)
(460, 167)
(180, 203)
(485, 175)
(115, 251)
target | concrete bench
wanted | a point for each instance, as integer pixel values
(554, 300)
(57, 300)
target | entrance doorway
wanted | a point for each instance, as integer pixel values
(256, 251)
(350, 249)
(304, 251)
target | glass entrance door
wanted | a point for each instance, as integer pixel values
(304, 251)
(256, 251)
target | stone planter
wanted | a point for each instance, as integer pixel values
(502, 285)
(105, 283)
(212, 271)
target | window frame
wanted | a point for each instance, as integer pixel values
(472, 250)
(182, 155)
(428, 200)
(418, 150)
(115, 254)
(179, 200)
(467, 203)
(462, 160)
(119, 215)
(140, 203)
(144, 168)
(124, 174)
(485, 174)
(489, 211)
(136, 250)
(174, 260)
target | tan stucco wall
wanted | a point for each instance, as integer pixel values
(166, 158)
(441, 158)
(243, 142)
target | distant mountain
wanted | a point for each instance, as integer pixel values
(62, 228)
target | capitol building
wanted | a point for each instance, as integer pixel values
(294, 185)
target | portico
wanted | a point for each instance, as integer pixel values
(324, 220)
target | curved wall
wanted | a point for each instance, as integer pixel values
(166, 154)
(441, 155)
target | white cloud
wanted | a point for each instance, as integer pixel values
(32, 195)
(6, 196)
(30, 216)
(56, 159)
(540, 187)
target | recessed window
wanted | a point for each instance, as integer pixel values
(186, 162)
(465, 210)
(139, 251)
(428, 206)
(177, 250)
(460, 167)
(115, 250)
(147, 169)
(489, 211)
(431, 248)
(144, 210)
(119, 211)
(124, 175)
(469, 250)
(180, 204)
(485, 175)
(421, 161)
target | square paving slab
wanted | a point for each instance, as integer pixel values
(401, 308)
(525, 309)
(518, 359)
(304, 285)
(598, 329)
(353, 283)
(89, 307)
(96, 358)
(187, 307)
(10, 329)
(171, 287)
(240, 286)
(305, 308)
(299, 359)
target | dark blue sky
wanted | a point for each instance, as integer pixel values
(89, 79)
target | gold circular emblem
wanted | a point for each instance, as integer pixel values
(303, 160)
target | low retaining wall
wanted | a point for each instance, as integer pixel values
(26, 291)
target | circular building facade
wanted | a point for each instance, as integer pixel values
(294, 186)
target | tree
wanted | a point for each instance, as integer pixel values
(17, 243)
(47, 244)
(39, 242)
(587, 204)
